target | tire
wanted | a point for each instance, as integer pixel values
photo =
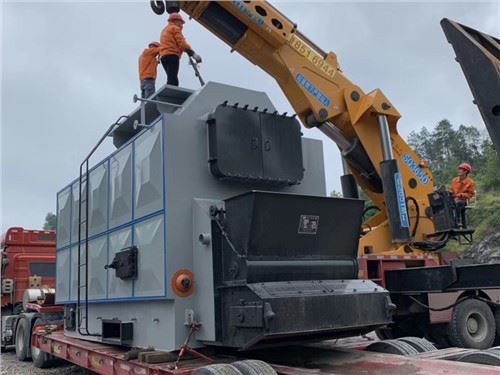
(392, 347)
(5, 311)
(402, 328)
(254, 367)
(472, 325)
(18, 309)
(437, 334)
(422, 345)
(218, 369)
(495, 349)
(482, 357)
(40, 359)
(497, 321)
(384, 333)
(497, 324)
(22, 339)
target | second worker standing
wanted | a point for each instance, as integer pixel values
(172, 45)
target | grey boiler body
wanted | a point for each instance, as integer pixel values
(163, 193)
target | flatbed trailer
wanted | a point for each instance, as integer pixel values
(452, 304)
(427, 296)
(320, 358)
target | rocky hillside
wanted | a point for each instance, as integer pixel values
(485, 251)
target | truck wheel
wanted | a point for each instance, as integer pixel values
(254, 367)
(472, 325)
(22, 339)
(482, 357)
(438, 335)
(218, 369)
(40, 359)
(384, 333)
(6, 311)
(497, 321)
(422, 345)
(401, 328)
(392, 347)
(497, 324)
(391, 332)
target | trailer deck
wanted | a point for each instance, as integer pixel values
(326, 358)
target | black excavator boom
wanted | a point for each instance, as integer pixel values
(479, 56)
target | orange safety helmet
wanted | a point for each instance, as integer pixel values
(153, 44)
(466, 167)
(175, 17)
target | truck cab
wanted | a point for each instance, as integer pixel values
(28, 269)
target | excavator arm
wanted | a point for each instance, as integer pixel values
(363, 125)
(479, 56)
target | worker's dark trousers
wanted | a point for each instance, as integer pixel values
(460, 213)
(171, 65)
(147, 87)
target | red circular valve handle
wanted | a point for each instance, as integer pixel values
(183, 282)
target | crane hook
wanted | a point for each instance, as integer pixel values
(157, 6)
(160, 6)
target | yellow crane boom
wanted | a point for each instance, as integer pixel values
(363, 125)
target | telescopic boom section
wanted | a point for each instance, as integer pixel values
(310, 78)
(363, 125)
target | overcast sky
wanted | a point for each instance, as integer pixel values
(70, 69)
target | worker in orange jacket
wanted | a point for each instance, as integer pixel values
(172, 44)
(462, 189)
(147, 69)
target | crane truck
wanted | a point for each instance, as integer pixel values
(414, 220)
(208, 232)
(454, 306)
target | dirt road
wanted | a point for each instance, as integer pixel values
(9, 365)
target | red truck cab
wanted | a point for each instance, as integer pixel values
(28, 261)
(28, 271)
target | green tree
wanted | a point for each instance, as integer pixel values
(469, 145)
(336, 194)
(50, 221)
(370, 208)
(444, 148)
(485, 217)
(489, 173)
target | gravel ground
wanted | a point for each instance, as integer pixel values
(9, 365)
